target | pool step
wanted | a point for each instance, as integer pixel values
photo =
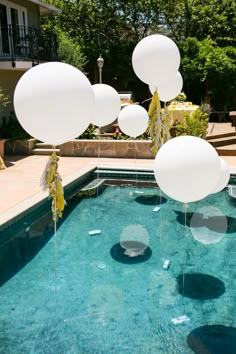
(132, 174)
(44, 149)
(93, 189)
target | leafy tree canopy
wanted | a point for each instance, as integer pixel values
(204, 30)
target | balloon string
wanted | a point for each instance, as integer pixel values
(135, 164)
(185, 233)
(55, 242)
(55, 226)
(98, 176)
(98, 160)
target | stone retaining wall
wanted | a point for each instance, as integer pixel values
(108, 148)
(19, 147)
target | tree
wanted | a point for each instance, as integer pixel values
(203, 29)
(69, 50)
(209, 72)
(201, 19)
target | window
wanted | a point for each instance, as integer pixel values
(12, 20)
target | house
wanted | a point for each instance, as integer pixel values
(22, 43)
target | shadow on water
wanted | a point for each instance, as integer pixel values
(121, 255)
(200, 286)
(25, 240)
(215, 339)
(150, 199)
(212, 223)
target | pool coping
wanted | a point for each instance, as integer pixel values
(14, 214)
(27, 206)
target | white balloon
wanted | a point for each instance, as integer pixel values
(54, 102)
(155, 58)
(223, 178)
(187, 168)
(107, 105)
(133, 120)
(168, 89)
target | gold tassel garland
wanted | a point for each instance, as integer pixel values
(159, 124)
(2, 164)
(52, 182)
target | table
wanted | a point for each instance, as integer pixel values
(180, 111)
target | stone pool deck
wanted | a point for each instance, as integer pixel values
(20, 181)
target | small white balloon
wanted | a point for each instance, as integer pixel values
(155, 58)
(223, 178)
(54, 102)
(133, 120)
(107, 105)
(187, 168)
(168, 89)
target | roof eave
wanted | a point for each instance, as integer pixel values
(46, 9)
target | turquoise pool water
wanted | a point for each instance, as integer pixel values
(87, 294)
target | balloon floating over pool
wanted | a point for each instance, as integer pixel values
(133, 120)
(223, 177)
(187, 168)
(155, 58)
(107, 105)
(170, 88)
(54, 102)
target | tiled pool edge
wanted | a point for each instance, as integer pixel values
(39, 199)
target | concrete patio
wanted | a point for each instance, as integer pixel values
(20, 181)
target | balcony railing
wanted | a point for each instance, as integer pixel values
(28, 44)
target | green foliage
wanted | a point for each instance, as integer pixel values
(209, 71)
(11, 129)
(201, 19)
(69, 48)
(203, 30)
(181, 97)
(90, 133)
(120, 136)
(70, 52)
(4, 99)
(195, 124)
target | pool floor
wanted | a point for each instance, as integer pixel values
(91, 294)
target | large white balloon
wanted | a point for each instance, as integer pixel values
(133, 120)
(168, 89)
(107, 105)
(223, 177)
(155, 58)
(187, 168)
(54, 102)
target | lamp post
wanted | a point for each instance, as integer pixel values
(100, 62)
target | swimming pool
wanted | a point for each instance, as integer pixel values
(78, 293)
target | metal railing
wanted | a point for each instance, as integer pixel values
(27, 43)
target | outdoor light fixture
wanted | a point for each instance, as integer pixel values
(100, 62)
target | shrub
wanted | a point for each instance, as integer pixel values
(195, 124)
(11, 129)
(89, 133)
